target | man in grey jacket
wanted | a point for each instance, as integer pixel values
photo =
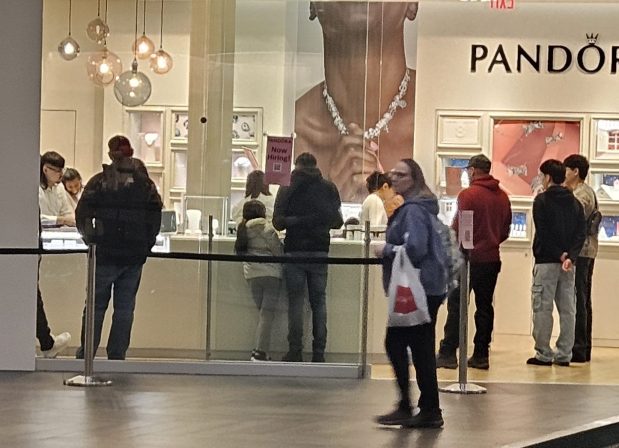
(576, 171)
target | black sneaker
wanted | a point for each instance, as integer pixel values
(561, 363)
(425, 419)
(293, 357)
(537, 362)
(259, 355)
(446, 361)
(479, 362)
(395, 418)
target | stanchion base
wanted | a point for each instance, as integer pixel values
(465, 389)
(87, 381)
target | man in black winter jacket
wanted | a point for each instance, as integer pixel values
(559, 236)
(307, 210)
(120, 211)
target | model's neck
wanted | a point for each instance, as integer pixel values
(575, 183)
(363, 73)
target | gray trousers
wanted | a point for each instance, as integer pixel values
(552, 285)
(265, 292)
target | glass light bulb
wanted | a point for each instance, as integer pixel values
(132, 88)
(68, 48)
(104, 67)
(98, 30)
(161, 62)
(143, 46)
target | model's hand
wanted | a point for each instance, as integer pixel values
(563, 257)
(567, 265)
(354, 159)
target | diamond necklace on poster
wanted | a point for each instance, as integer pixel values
(383, 123)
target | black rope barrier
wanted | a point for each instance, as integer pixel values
(212, 257)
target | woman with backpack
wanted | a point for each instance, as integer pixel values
(413, 228)
(255, 236)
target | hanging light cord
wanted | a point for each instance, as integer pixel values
(70, 7)
(144, 17)
(98, 8)
(161, 31)
(105, 20)
(135, 49)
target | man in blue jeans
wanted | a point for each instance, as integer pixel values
(120, 211)
(307, 210)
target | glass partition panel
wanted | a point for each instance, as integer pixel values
(250, 316)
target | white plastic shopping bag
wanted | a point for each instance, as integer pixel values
(408, 304)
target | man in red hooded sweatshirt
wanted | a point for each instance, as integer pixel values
(492, 217)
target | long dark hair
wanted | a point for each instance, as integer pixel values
(256, 185)
(50, 158)
(420, 188)
(376, 180)
(251, 210)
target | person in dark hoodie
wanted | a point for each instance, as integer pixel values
(492, 217)
(120, 211)
(559, 236)
(307, 210)
(412, 227)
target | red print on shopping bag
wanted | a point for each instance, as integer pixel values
(404, 301)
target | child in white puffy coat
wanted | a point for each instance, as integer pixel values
(255, 236)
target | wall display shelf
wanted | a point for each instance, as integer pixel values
(605, 183)
(145, 128)
(521, 226)
(520, 144)
(179, 126)
(247, 126)
(452, 176)
(604, 139)
(459, 131)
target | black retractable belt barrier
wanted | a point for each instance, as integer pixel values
(87, 379)
(463, 386)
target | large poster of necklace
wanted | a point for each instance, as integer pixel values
(355, 95)
(519, 147)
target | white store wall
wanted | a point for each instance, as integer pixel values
(20, 43)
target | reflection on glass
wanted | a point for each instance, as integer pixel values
(606, 185)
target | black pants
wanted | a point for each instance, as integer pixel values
(582, 333)
(482, 280)
(420, 339)
(43, 332)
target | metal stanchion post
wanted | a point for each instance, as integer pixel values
(87, 380)
(463, 386)
(365, 305)
(209, 278)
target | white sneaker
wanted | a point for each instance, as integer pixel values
(60, 343)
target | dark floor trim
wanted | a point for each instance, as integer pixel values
(599, 434)
(237, 368)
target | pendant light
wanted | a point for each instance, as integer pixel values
(97, 29)
(161, 61)
(144, 47)
(68, 48)
(104, 67)
(133, 88)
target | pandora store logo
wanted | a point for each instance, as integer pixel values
(590, 59)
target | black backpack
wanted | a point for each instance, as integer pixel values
(594, 220)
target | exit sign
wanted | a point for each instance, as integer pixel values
(502, 4)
